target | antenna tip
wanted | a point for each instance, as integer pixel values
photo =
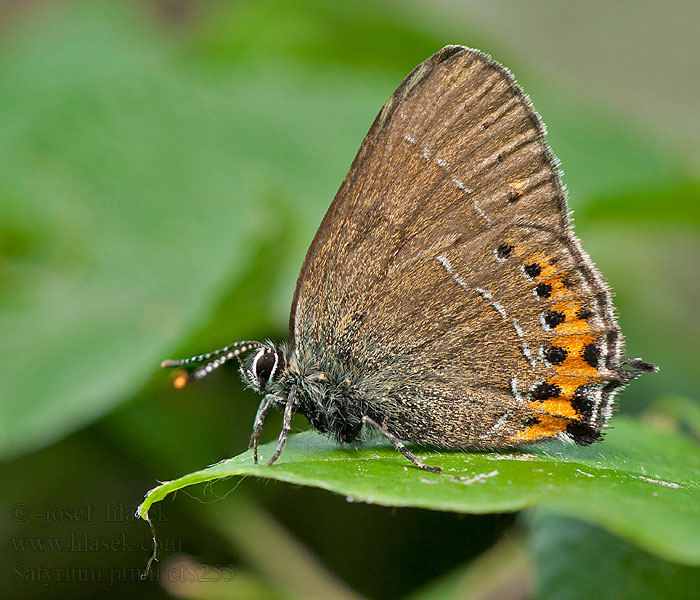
(180, 382)
(167, 364)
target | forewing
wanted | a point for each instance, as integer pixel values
(446, 272)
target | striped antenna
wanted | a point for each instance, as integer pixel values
(220, 357)
(200, 358)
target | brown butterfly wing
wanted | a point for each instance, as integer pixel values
(447, 275)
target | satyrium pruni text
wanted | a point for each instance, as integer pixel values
(445, 300)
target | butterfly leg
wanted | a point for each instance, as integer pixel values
(286, 424)
(263, 409)
(400, 446)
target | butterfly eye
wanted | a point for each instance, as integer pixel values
(264, 365)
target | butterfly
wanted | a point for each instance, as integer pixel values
(445, 300)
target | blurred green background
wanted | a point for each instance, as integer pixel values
(163, 168)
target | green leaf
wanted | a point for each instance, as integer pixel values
(640, 483)
(567, 552)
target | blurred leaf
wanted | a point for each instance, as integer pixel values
(675, 204)
(183, 577)
(578, 561)
(647, 242)
(133, 191)
(635, 56)
(505, 572)
(253, 531)
(640, 483)
(650, 268)
(314, 32)
(602, 157)
(684, 412)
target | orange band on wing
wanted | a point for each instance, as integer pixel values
(544, 428)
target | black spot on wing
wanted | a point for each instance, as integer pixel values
(504, 250)
(554, 318)
(545, 390)
(532, 270)
(591, 354)
(582, 402)
(583, 433)
(584, 313)
(555, 355)
(543, 290)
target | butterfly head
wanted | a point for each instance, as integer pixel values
(263, 367)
